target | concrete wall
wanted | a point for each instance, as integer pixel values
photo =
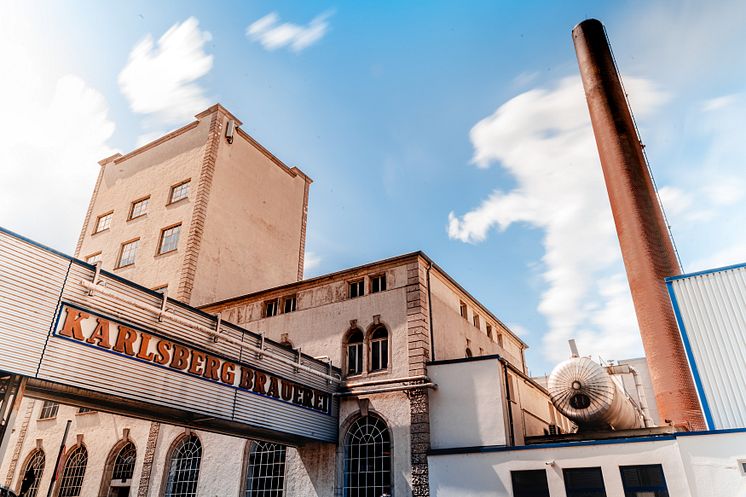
(253, 235)
(151, 172)
(454, 333)
(694, 466)
(467, 408)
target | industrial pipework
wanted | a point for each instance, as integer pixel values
(587, 394)
(647, 249)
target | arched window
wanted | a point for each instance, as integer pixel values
(31, 473)
(355, 352)
(183, 469)
(379, 349)
(72, 476)
(265, 474)
(367, 458)
(118, 473)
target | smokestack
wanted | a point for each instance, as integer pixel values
(647, 249)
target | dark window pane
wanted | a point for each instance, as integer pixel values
(644, 481)
(584, 482)
(530, 483)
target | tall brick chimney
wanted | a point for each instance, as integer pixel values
(647, 249)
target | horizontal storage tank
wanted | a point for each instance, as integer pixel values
(584, 391)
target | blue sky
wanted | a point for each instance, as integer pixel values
(456, 128)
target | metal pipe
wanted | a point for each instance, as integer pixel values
(207, 331)
(384, 382)
(385, 389)
(647, 249)
(641, 395)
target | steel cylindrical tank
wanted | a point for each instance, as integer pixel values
(583, 391)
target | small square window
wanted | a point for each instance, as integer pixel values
(356, 289)
(93, 258)
(584, 482)
(288, 304)
(103, 222)
(169, 239)
(180, 191)
(647, 480)
(270, 308)
(128, 253)
(475, 319)
(463, 310)
(139, 208)
(530, 483)
(49, 410)
(489, 331)
(83, 410)
(378, 283)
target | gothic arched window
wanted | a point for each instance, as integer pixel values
(74, 472)
(354, 352)
(183, 468)
(34, 468)
(379, 349)
(265, 474)
(367, 458)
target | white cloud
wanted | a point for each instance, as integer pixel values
(543, 138)
(160, 79)
(272, 35)
(311, 262)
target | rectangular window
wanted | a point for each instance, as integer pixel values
(128, 253)
(83, 410)
(93, 258)
(489, 331)
(530, 483)
(288, 304)
(270, 308)
(179, 191)
(49, 410)
(378, 283)
(644, 481)
(139, 208)
(169, 239)
(476, 320)
(462, 310)
(356, 289)
(584, 482)
(500, 340)
(103, 222)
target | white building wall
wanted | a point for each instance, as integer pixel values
(698, 465)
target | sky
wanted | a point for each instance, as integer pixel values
(456, 128)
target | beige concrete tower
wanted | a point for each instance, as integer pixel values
(204, 211)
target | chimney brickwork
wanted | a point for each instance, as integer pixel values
(647, 249)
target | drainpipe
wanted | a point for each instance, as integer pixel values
(510, 407)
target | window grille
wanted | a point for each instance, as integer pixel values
(124, 465)
(355, 352)
(103, 222)
(139, 208)
(129, 251)
(94, 258)
(584, 482)
(367, 463)
(270, 308)
(169, 239)
(289, 304)
(179, 191)
(379, 349)
(72, 476)
(378, 283)
(183, 470)
(644, 481)
(356, 289)
(265, 475)
(49, 410)
(35, 466)
(530, 483)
